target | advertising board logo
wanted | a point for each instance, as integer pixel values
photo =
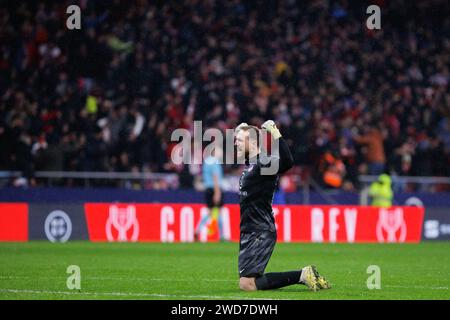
(391, 225)
(431, 229)
(414, 201)
(123, 220)
(58, 226)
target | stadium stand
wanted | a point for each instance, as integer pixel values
(106, 97)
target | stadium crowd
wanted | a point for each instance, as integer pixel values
(106, 98)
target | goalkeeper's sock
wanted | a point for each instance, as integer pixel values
(275, 280)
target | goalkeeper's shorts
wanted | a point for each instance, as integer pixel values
(255, 250)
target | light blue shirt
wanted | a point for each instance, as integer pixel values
(211, 167)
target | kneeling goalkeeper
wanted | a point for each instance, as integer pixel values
(258, 234)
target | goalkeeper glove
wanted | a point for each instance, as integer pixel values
(270, 126)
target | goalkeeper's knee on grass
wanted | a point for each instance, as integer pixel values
(273, 280)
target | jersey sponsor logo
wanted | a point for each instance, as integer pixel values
(241, 179)
(122, 220)
(58, 226)
(391, 225)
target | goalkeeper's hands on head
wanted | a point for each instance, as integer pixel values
(270, 126)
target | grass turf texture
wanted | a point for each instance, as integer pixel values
(37, 270)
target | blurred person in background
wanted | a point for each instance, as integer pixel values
(212, 172)
(375, 155)
(381, 192)
(333, 170)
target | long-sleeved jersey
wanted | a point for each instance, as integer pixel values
(256, 189)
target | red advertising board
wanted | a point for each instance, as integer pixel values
(13, 222)
(295, 223)
(152, 222)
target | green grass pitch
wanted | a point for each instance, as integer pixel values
(37, 270)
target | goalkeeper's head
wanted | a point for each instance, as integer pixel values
(246, 141)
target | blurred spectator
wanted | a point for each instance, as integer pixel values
(381, 192)
(137, 70)
(332, 171)
(375, 150)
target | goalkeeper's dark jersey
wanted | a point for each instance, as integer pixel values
(256, 190)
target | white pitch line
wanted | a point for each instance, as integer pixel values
(393, 286)
(418, 287)
(161, 279)
(121, 279)
(205, 280)
(129, 294)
